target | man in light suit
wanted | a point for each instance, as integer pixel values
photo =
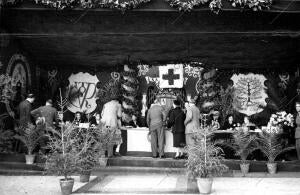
(192, 122)
(155, 120)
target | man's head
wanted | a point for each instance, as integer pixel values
(49, 102)
(30, 97)
(297, 105)
(176, 103)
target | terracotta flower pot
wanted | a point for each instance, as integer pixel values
(30, 159)
(204, 185)
(85, 176)
(66, 186)
(272, 168)
(244, 168)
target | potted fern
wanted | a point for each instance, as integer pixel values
(243, 144)
(205, 160)
(30, 135)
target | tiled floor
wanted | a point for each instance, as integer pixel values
(150, 184)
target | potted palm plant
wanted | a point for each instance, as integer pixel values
(270, 145)
(205, 160)
(269, 141)
(30, 135)
(243, 144)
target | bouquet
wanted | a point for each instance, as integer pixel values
(279, 120)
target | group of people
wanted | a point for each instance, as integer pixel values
(184, 123)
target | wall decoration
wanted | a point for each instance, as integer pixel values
(143, 69)
(52, 76)
(250, 93)
(111, 88)
(171, 76)
(85, 84)
(284, 80)
(130, 87)
(19, 70)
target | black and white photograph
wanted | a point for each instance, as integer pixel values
(149, 97)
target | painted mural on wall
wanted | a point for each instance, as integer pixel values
(250, 93)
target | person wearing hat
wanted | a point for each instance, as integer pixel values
(46, 114)
(192, 122)
(25, 109)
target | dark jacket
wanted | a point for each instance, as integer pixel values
(48, 112)
(24, 112)
(176, 120)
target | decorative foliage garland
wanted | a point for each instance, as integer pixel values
(255, 5)
(130, 86)
(216, 5)
(113, 4)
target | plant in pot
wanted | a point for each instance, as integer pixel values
(63, 157)
(270, 145)
(30, 135)
(103, 140)
(244, 144)
(205, 160)
(269, 141)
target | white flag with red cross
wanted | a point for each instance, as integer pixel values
(171, 76)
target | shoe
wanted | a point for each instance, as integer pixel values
(176, 157)
(162, 156)
(155, 156)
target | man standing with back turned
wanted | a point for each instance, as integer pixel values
(155, 120)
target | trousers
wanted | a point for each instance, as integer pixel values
(298, 147)
(157, 141)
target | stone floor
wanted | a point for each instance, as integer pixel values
(280, 184)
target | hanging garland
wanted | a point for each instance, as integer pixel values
(130, 86)
(216, 5)
(112, 4)
(255, 5)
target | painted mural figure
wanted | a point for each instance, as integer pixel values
(25, 109)
(297, 131)
(155, 121)
(111, 120)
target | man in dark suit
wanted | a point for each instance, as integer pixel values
(155, 120)
(47, 113)
(25, 109)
